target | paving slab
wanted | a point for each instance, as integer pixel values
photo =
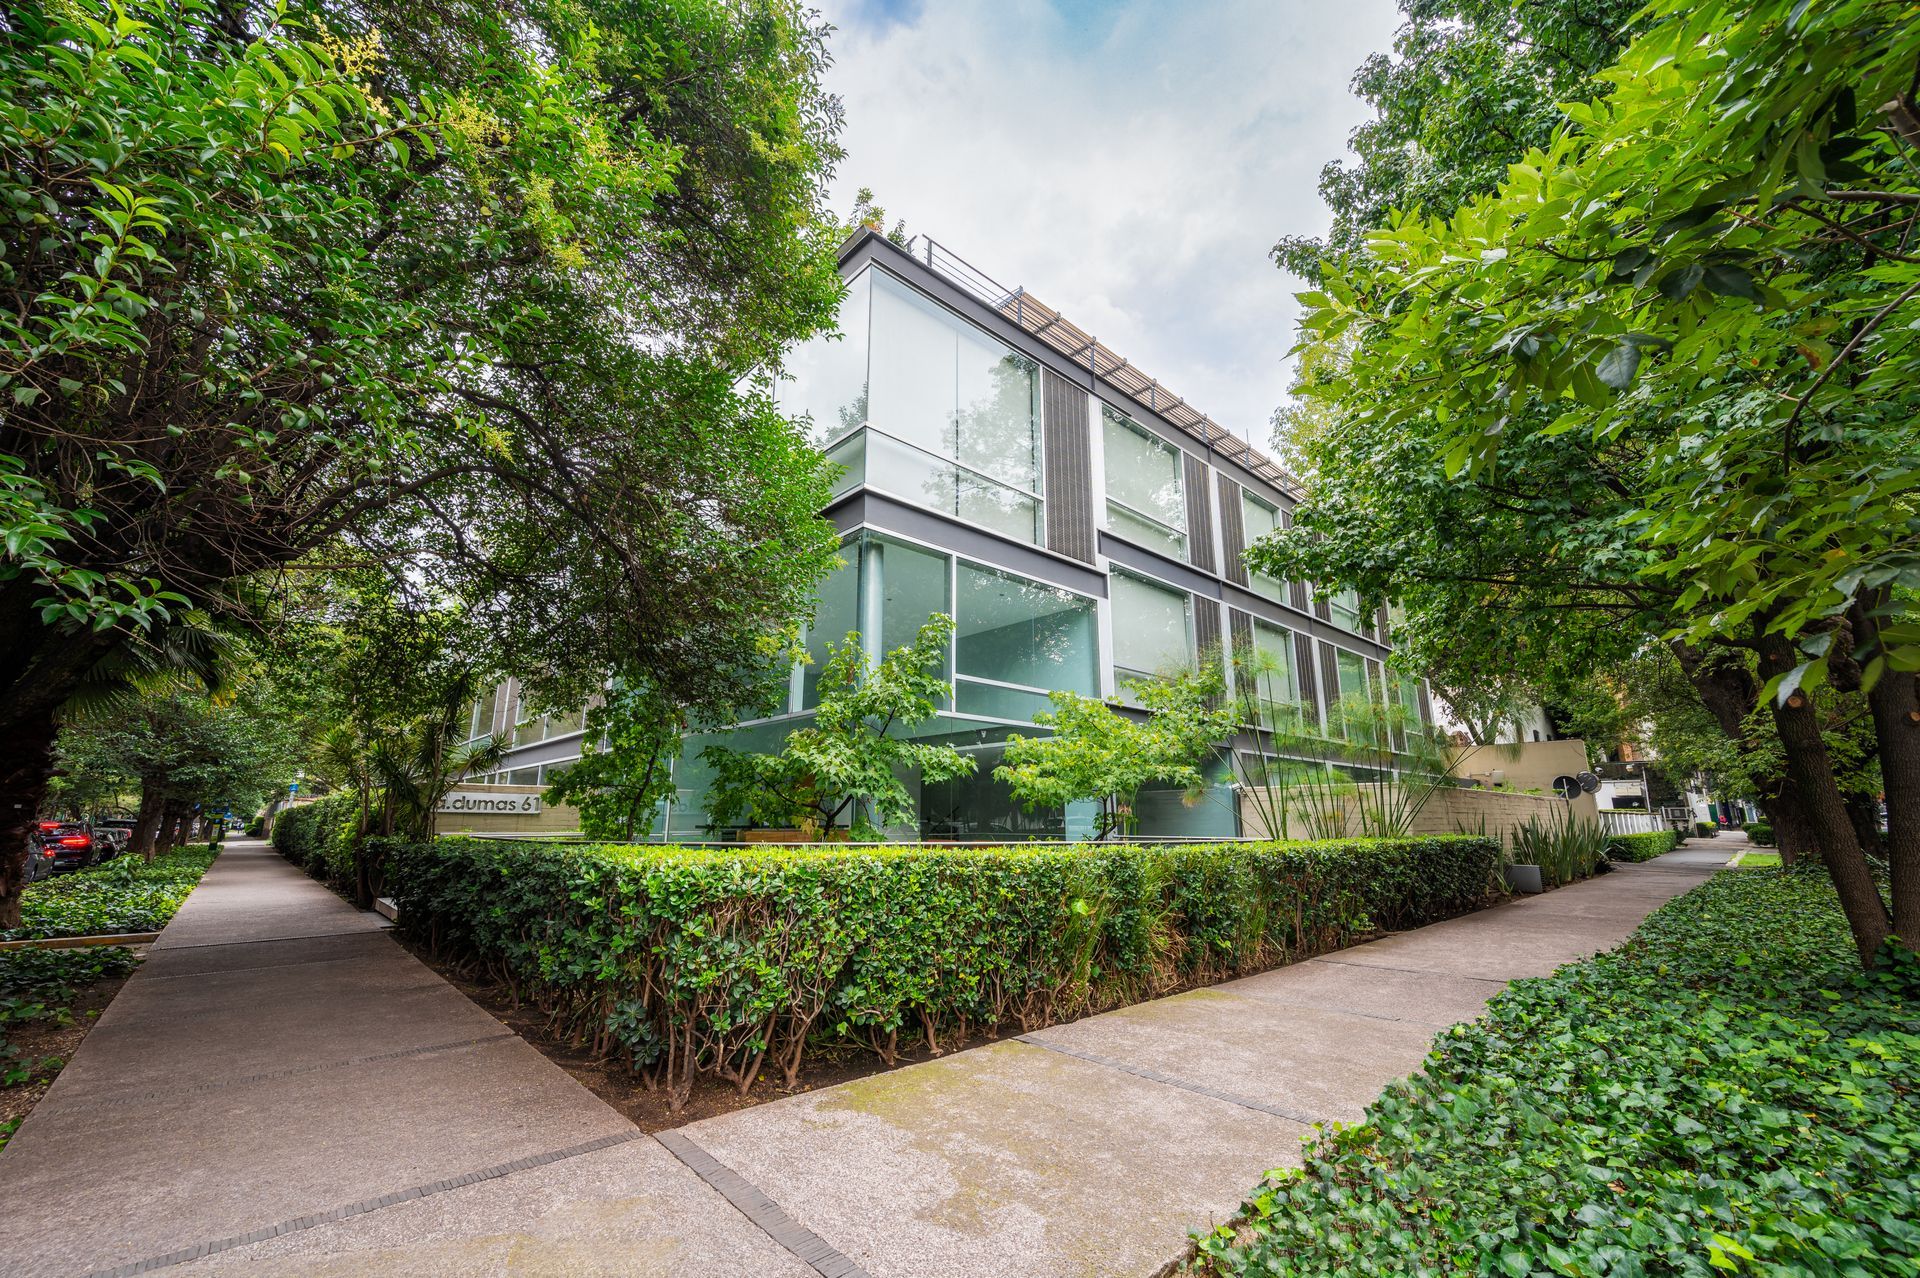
(250, 1078)
(1435, 1000)
(1310, 1063)
(633, 1211)
(1005, 1159)
(262, 1019)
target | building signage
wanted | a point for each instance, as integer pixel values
(477, 801)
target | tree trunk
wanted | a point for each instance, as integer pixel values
(1864, 811)
(26, 762)
(1811, 770)
(1729, 691)
(146, 822)
(1895, 703)
(1791, 833)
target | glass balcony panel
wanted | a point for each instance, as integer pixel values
(1146, 532)
(916, 476)
(992, 702)
(1014, 630)
(824, 379)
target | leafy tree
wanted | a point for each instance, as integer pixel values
(848, 763)
(1101, 751)
(626, 761)
(185, 751)
(1470, 87)
(465, 289)
(1697, 300)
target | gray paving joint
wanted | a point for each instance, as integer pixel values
(382, 929)
(1185, 1085)
(292, 1071)
(365, 1205)
(761, 1210)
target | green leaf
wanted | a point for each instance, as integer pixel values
(1618, 366)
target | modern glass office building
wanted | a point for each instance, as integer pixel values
(1082, 525)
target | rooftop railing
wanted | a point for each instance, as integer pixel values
(1084, 350)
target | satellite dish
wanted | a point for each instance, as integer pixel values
(1589, 782)
(1566, 787)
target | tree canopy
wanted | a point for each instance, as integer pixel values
(1660, 386)
(464, 293)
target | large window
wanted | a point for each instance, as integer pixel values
(836, 611)
(1261, 520)
(1152, 627)
(954, 415)
(1345, 607)
(1352, 670)
(1266, 675)
(1146, 487)
(885, 590)
(1015, 640)
(824, 380)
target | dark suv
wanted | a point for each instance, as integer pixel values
(63, 846)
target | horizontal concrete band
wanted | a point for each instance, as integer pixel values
(281, 940)
(80, 942)
(761, 1210)
(365, 1205)
(291, 1071)
(1155, 1076)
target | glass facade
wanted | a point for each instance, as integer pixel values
(1345, 607)
(1270, 668)
(925, 406)
(1152, 627)
(1261, 519)
(954, 416)
(1146, 486)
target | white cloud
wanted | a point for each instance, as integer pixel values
(1131, 165)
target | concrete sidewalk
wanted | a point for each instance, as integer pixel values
(283, 1090)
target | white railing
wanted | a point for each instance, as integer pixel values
(1619, 821)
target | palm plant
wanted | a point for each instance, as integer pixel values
(418, 766)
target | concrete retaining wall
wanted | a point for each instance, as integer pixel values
(1450, 810)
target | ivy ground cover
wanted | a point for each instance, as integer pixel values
(698, 963)
(126, 894)
(1726, 1094)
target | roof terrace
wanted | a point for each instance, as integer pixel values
(1080, 346)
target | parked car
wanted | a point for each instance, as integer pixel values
(68, 845)
(40, 858)
(117, 832)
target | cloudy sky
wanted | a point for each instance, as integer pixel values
(1130, 163)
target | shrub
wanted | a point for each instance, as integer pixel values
(1642, 847)
(318, 837)
(1760, 834)
(42, 986)
(711, 963)
(1727, 1093)
(126, 894)
(1705, 829)
(1563, 846)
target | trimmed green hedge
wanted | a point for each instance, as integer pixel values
(1760, 834)
(1727, 1093)
(317, 837)
(693, 963)
(1642, 847)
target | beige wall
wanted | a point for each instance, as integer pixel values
(553, 818)
(1524, 765)
(1450, 810)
